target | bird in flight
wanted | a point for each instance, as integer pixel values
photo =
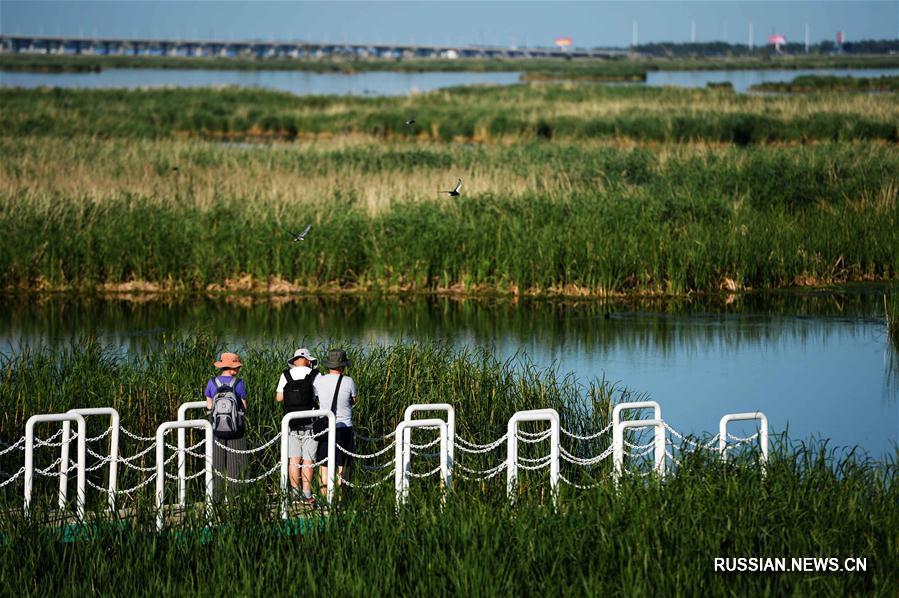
(301, 236)
(410, 122)
(455, 190)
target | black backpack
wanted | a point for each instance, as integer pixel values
(299, 396)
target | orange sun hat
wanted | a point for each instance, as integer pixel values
(228, 361)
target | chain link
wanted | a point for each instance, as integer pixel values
(371, 456)
(585, 461)
(589, 437)
(580, 486)
(487, 473)
(13, 447)
(252, 450)
(537, 466)
(136, 437)
(738, 440)
(138, 487)
(16, 476)
(367, 486)
(535, 439)
(247, 480)
(424, 475)
(478, 449)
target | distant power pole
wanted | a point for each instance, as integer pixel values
(806, 38)
(634, 35)
(750, 36)
(724, 31)
(693, 32)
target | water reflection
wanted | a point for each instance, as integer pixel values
(817, 363)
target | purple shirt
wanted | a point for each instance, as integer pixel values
(240, 389)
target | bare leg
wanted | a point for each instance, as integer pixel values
(295, 472)
(308, 473)
(323, 481)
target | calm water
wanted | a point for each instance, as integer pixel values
(297, 82)
(376, 83)
(743, 80)
(818, 364)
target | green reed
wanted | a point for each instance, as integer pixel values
(821, 83)
(479, 113)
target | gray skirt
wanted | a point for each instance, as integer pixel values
(228, 463)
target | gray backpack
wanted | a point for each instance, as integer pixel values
(227, 413)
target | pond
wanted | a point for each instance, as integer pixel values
(378, 83)
(817, 363)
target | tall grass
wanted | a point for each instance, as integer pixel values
(642, 537)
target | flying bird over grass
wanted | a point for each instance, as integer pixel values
(300, 236)
(410, 122)
(455, 190)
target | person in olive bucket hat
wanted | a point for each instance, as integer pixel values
(337, 391)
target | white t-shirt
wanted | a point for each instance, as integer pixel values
(297, 373)
(324, 385)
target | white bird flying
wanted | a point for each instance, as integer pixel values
(455, 191)
(301, 236)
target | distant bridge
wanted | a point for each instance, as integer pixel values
(108, 46)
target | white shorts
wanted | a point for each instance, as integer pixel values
(302, 444)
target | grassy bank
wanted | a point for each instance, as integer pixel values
(567, 112)
(823, 83)
(644, 537)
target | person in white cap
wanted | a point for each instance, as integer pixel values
(296, 392)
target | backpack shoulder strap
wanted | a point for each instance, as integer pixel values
(218, 382)
(287, 376)
(336, 392)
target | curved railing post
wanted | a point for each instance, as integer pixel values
(618, 444)
(160, 464)
(82, 453)
(403, 468)
(411, 410)
(733, 417)
(285, 453)
(114, 422)
(550, 415)
(656, 414)
(182, 448)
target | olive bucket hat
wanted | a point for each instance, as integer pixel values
(336, 359)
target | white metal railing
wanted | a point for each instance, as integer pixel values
(400, 440)
(160, 464)
(112, 458)
(82, 455)
(533, 415)
(732, 417)
(182, 444)
(658, 444)
(403, 466)
(411, 410)
(285, 453)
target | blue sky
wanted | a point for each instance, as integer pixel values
(501, 23)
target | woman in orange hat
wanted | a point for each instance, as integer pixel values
(226, 404)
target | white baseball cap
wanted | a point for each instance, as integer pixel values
(304, 353)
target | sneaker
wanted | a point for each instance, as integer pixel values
(309, 501)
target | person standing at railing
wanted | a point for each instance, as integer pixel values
(296, 392)
(226, 404)
(337, 392)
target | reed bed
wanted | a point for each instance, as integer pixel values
(642, 537)
(617, 220)
(478, 113)
(823, 83)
